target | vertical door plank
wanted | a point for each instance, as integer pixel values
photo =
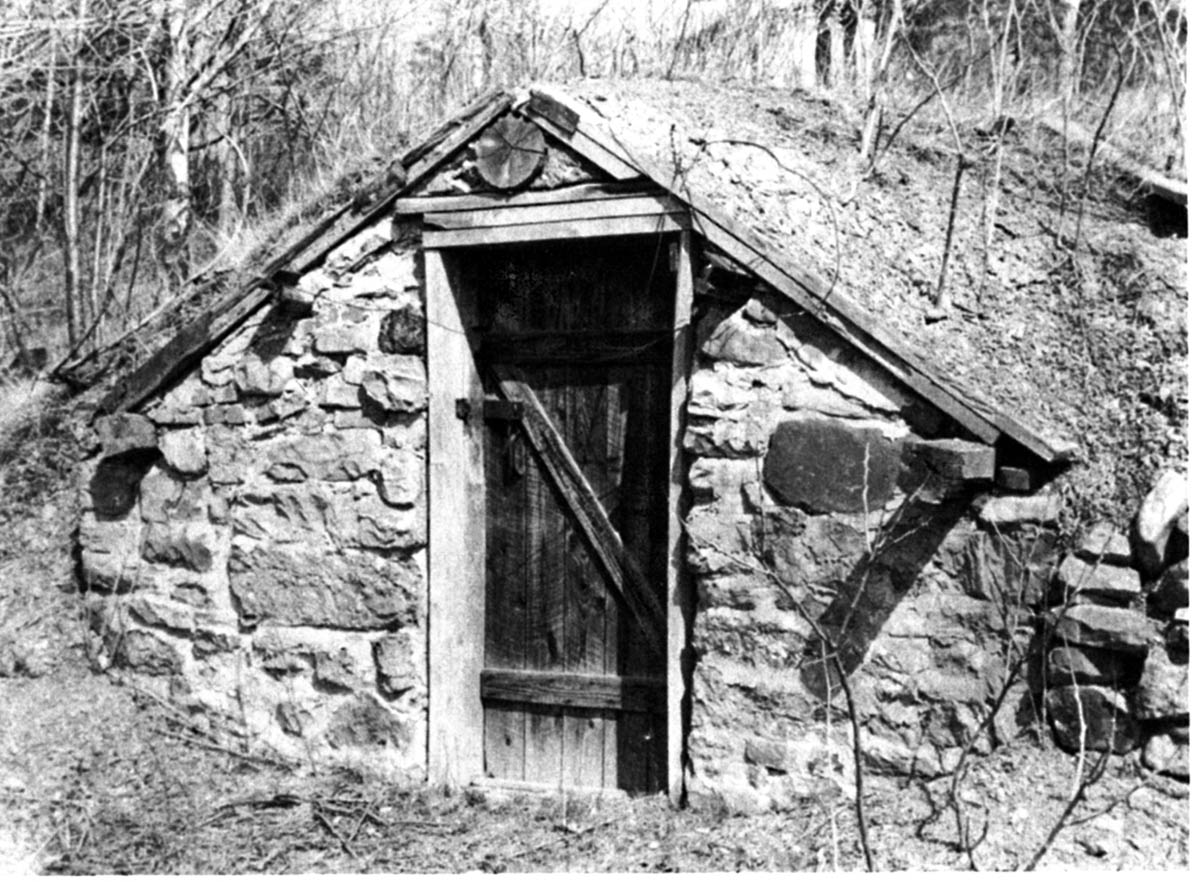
(504, 741)
(543, 744)
(611, 753)
(543, 726)
(504, 724)
(583, 748)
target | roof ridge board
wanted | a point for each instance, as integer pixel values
(848, 318)
(217, 321)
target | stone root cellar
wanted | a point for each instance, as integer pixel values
(530, 468)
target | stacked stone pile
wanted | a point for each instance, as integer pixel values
(1114, 670)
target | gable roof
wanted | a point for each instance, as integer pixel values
(729, 211)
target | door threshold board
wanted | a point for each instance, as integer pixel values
(537, 788)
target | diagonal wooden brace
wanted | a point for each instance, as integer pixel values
(624, 575)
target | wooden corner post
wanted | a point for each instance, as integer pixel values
(678, 585)
(457, 513)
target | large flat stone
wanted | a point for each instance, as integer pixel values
(823, 465)
(125, 432)
(1005, 511)
(297, 585)
(283, 512)
(1088, 580)
(345, 338)
(1106, 627)
(1107, 544)
(1091, 666)
(335, 456)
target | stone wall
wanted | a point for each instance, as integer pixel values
(253, 548)
(252, 542)
(828, 514)
(1113, 666)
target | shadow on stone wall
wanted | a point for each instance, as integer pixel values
(876, 585)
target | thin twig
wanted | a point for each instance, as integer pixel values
(324, 821)
(1087, 171)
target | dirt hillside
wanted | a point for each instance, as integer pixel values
(1085, 341)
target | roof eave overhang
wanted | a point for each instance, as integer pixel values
(571, 126)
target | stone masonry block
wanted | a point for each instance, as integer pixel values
(822, 465)
(1094, 580)
(1119, 630)
(296, 585)
(126, 432)
(184, 450)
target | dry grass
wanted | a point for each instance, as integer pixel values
(135, 794)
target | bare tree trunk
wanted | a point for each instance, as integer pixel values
(175, 132)
(1068, 65)
(1000, 70)
(866, 26)
(47, 117)
(807, 28)
(876, 67)
(837, 46)
(70, 210)
(228, 214)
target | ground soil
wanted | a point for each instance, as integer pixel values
(96, 778)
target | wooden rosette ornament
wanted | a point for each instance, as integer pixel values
(510, 153)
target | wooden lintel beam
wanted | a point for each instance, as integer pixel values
(650, 204)
(624, 576)
(583, 228)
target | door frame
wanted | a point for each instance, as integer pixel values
(457, 513)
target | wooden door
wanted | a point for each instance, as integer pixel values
(573, 685)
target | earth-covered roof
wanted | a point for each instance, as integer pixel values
(1072, 346)
(1082, 342)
